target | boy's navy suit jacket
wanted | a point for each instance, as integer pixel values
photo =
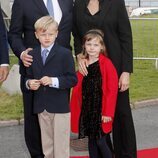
(60, 64)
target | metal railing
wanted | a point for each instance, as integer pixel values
(141, 3)
(145, 43)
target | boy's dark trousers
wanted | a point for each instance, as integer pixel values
(98, 148)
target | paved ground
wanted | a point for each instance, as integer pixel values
(12, 142)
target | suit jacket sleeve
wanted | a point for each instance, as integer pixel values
(16, 28)
(76, 103)
(68, 79)
(4, 56)
(77, 38)
(110, 89)
(29, 70)
(29, 74)
(125, 35)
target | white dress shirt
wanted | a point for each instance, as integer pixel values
(4, 65)
(57, 10)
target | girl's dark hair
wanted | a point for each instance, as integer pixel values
(91, 34)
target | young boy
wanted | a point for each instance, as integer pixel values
(51, 76)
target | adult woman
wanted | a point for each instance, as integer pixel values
(111, 17)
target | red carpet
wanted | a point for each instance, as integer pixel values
(79, 157)
(146, 153)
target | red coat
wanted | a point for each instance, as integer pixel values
(109, 88)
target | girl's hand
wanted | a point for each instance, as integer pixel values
(82, 64)
(46, 81)
(106, 119)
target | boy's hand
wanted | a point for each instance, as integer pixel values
(106, 119)
(34, 84)
(46, 81)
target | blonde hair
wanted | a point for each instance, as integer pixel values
(44, 22)
(91, 34)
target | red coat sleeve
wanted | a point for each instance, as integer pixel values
(110, 89)
(75, 104)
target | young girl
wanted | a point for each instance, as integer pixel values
(93, 99)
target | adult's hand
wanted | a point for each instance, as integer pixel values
(4, 70)
(82, 64)
(26, 58)
(124, 81)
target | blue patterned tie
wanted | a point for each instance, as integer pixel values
(44, 55)
(50, 8)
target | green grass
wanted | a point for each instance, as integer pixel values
(144, 80)
(145, 34)
(10, 107)
(13, 60)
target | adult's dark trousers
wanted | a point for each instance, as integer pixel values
(98, 148)
(124, 138)
(31, 124)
